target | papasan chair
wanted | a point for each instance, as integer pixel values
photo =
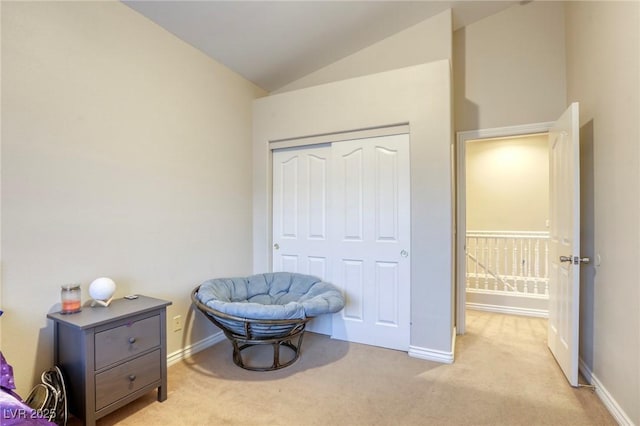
(266, 309)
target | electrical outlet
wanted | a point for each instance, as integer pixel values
(177, 323)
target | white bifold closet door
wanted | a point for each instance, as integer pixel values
(342, 212)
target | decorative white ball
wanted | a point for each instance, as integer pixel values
(102, 288)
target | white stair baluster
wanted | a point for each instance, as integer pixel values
(485, 250)
(546, 267)
(496, 249)
(537, 266)
(475, 247)
(514, 262)
(505, 261)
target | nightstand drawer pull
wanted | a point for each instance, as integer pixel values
(132, 340)
(132, 377)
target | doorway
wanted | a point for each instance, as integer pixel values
(502, 216)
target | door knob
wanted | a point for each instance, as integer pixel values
(276, 246)
(575, 260)
(404, 253)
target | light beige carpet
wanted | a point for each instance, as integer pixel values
(503, 375)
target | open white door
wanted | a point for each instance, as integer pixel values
(564, 250)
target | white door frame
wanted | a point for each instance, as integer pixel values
(461, 200)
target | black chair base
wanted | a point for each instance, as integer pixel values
(245, 333)
(240, 344)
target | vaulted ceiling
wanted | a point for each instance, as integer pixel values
(273, 43)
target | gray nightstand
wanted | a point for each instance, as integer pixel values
(111, 356)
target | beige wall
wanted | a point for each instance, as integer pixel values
(603, 74)
(125, 153)
(427, 41)
(509, 68)
(418, 95)
(507, 184)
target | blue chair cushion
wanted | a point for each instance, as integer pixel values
(271, 296)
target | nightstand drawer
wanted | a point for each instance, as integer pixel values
(120, 381)
(126, 340)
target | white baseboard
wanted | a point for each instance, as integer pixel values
(527, 312)
(194, 348)
(433, 354)
(616, 411)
